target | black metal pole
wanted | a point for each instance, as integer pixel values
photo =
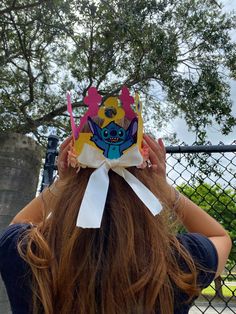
(200, 149)
(49, 166)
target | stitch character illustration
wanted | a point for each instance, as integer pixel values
(113, 139)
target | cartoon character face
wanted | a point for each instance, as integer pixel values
(113, 139)
(113, 134)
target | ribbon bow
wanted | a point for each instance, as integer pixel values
(93, 203)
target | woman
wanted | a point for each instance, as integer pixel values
(133, 264)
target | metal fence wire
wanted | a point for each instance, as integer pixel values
(207, 175)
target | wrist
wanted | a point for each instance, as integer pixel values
(170, 196)
(55, 187)
(165, 193)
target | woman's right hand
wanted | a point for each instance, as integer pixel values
(62, 159)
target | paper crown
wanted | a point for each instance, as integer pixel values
(110, 138)
(109, 146)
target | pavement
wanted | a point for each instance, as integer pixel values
(216, 308)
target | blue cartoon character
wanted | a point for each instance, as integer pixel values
(113, 139)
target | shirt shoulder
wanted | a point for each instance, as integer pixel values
(204, 255)
(8, 242)
(14, 270)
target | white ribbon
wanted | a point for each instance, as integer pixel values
(93, 203)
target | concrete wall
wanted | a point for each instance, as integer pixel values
(20, 161)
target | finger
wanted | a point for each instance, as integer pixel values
(62, 165)
(162, 148)
(151, 142)
(162, 145)
(153, 157)
(64, 153)
(158, 146)
(66, 142)
(154, 167)
(63, 159)
(158, 151)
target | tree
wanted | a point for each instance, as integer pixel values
(220, 203)
(180, 48)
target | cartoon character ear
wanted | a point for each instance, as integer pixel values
(95, 129)
(133, 127)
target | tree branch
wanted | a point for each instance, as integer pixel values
(51, 115)
(21, 7)
(90, 57)
(192, 49)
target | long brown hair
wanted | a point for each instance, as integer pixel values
(127, 266)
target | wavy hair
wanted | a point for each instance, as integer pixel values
(129, 265)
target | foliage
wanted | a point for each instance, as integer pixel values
(179, 49)
(220, 203)
(227, 291)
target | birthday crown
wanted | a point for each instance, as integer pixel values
(109, 146)
(110, 138)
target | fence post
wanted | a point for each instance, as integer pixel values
(49, 165)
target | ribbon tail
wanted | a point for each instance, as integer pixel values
(93, 203)
(145, 195)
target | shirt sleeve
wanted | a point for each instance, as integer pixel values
(8, 242)
(204, 255)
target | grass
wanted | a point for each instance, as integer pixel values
(228, 291)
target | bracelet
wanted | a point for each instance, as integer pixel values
(47, 196)
(177, 199)
(53, 189)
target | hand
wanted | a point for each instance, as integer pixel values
(157, 157)
(62, 163)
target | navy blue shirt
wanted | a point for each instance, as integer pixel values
(16, 273)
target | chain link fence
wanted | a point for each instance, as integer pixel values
(207, 175)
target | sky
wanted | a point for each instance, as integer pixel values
(214, 136)
(177, 166)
